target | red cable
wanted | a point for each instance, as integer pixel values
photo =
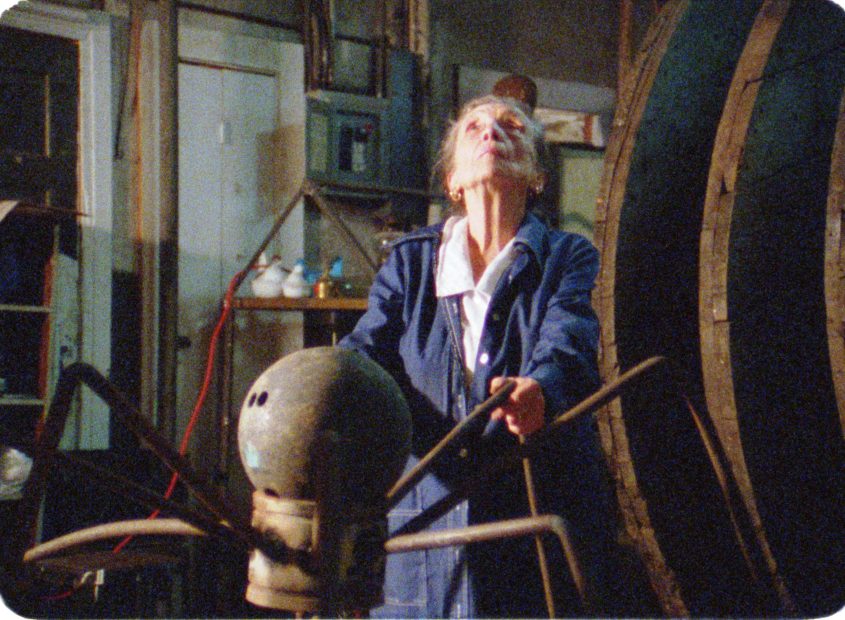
(209, 367)
(183, 447)
(59, 596)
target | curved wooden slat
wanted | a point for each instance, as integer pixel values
(650, 210)
(784, 398)
(713, 319)
(626, 122)
(834, 264)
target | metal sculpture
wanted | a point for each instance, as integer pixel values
(336, 548)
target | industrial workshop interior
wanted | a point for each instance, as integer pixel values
(196, 197)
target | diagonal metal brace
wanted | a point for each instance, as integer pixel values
(46, 448)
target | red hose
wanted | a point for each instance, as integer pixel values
(209, 366)
(183, 447)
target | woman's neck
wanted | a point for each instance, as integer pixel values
(493, 218)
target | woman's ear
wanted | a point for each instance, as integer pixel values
(455, 193)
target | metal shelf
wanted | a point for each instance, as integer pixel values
(327, 304)
(25, 308)
(22, 401)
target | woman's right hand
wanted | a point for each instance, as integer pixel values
(524, 410)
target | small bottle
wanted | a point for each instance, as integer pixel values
(325, 287)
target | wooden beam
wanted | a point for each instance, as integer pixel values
(624, 50)
(168, 275)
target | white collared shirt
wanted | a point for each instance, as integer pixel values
(454, 277)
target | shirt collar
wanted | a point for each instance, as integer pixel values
(453, 252)
(457, 277)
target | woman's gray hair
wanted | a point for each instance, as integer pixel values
(445, 163)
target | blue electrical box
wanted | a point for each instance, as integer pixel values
(346, 139)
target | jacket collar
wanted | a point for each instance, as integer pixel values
(532, 236)
(428, 232)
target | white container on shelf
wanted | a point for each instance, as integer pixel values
(295, 285)
(270, 279)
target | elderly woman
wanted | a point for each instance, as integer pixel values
(457, 307)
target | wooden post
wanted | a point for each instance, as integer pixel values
(624, 50)
(168, 299)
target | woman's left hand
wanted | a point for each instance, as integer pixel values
(524, 410)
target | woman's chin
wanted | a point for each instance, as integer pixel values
(499, 174)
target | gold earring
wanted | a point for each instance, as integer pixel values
(456, 194)
(538, 186)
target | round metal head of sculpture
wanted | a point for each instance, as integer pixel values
(323, 434)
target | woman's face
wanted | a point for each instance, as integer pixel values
(493, 143)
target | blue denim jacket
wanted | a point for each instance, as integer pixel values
(539, 324)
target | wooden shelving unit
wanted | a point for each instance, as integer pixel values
(28, 248)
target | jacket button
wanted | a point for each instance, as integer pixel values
(496, 316)
(484, 358)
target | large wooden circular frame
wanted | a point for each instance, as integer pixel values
(765, 261)
(612, 425)
(834, 268)
(732, 268)
(715, 234)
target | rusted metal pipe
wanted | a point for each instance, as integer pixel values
(403, 485)
(115, 529)
(48, 440)
(511, 528)
(149, 498)
(542, 562)
(532, 444)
